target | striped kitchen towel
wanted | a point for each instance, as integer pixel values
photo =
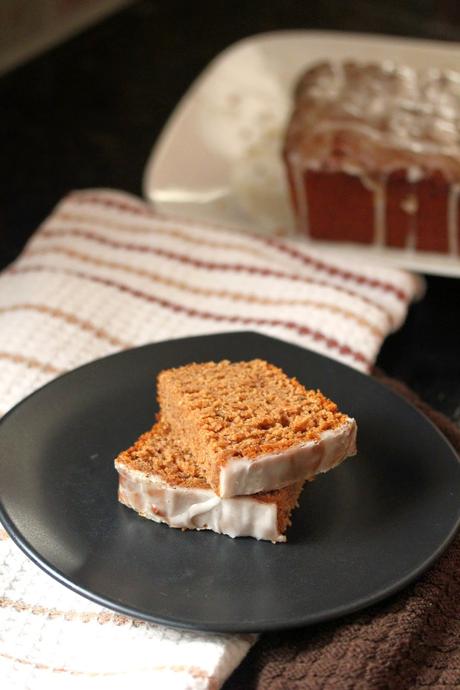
(104, 273)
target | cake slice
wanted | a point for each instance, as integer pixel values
(153, 482)
(250, 428)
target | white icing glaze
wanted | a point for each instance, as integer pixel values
(194, 508)
(399, 106)
(272, 471)
(300, 193)
(452, 218)
(414, 174)
(410, 204)
(380, 199)
(411, 208)
(378, 187)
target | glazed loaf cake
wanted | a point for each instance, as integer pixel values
(152, 481)
(249, 427)
(372, 153)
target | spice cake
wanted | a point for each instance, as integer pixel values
(152, 482)
(372, 153)
(250, 428)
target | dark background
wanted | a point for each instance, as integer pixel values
(87, 113)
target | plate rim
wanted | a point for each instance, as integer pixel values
(268, 624)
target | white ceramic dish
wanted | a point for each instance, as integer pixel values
(217, 158)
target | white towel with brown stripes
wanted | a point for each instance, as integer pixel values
(103, 273)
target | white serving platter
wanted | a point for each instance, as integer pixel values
(217, 159)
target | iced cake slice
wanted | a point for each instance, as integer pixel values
(153, 481)
(372, 154)
(250, 428)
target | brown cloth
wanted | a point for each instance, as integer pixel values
(411, 640)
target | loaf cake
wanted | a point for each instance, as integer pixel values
(152, 481)
(372, 153)
(249, 428)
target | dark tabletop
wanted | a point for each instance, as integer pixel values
(87, 113)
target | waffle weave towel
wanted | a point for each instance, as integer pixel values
(105, 273)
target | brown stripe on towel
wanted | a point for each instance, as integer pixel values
(30, 362)
(96, 222)
(102, 617)
(205, 292)
(131, 207)
(69, 318)
(303, 330)
(193, 671)
(332, 270)
(207, 265)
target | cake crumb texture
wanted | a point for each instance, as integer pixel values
(222, 410)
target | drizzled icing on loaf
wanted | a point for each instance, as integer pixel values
(345, 110)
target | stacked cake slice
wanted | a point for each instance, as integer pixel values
(232, 449)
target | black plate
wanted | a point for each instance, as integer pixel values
(361, 533)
